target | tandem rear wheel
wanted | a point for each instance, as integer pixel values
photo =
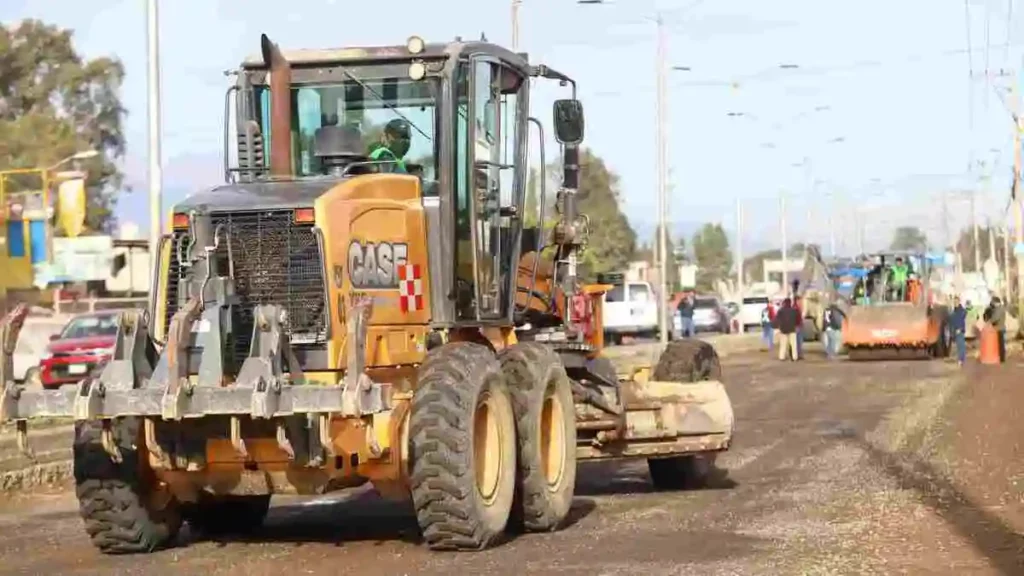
(493, 444)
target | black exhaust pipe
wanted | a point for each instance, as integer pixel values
(280, 108)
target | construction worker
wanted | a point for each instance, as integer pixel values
(787, 322)
(394, 145)
(995, 315)
(913, 289)
(898, 276)
(860, 293)
(833, 321)
(958, 330)
(767, 315)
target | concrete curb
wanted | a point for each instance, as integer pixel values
(49, 474)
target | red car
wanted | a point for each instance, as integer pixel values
(86, 341)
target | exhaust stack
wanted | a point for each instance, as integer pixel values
(280, 108)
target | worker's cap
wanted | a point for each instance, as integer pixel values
(398, 127)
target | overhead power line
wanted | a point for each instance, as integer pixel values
(784, 73)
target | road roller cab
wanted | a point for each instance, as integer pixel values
(893, 322)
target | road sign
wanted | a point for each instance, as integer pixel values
(71, 206)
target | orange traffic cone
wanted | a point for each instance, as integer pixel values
(988, 345)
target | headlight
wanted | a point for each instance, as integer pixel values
(46, 355)
(415, 45)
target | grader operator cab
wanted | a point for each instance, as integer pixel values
(335, 314)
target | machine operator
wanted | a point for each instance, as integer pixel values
(393, 147)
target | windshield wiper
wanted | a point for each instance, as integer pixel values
(376, 94)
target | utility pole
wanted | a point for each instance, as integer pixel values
(1018, 197)
(782, 233)
(1007, 289)
(153, 89)
(515, 24)
(662, 144)
(831, 224)
(945, 221)
(991, 241)
(974, 227)
(808, 236)
(858, 230)
(740, 284)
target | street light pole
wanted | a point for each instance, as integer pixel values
(662, 166)
(831, 223)
(1018, 209)
(153, 89)
(974, 228)
(662, 144)
(515, 24)
(782, 232)
(740, 284)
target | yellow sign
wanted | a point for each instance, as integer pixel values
(71, 206)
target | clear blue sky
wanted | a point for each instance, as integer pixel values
(892, 74)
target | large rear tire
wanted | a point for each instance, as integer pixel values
(546, 432)
(685, 361)
(114, 499)
(463, 448)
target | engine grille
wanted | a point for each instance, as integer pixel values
(276, 262)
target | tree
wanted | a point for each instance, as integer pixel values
(714, 259)
(612, 241)
(909, 238)
(965, 246)
(54, 103)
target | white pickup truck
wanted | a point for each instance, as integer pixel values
(630, 309)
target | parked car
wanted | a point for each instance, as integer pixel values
(750, 314)
(86, 341)
(710, 315)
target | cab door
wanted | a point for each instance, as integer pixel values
(490, 173)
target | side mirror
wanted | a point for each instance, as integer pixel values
(569, 121)
(54, 337)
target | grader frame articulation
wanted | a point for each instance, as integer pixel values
(319, 321)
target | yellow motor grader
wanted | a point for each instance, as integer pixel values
(360, 302)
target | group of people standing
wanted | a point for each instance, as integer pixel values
(994, 315)
(784, 326)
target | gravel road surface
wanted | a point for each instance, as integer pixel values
(837, 468)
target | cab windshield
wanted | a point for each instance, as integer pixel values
(386, 94)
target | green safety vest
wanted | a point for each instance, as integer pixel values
(899, 274)
(380, 151)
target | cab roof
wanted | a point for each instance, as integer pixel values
(327, 56)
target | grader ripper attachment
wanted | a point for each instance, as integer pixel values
(336, 314)
(884, 323)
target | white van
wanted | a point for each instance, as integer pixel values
(750, 313)
(630, 309)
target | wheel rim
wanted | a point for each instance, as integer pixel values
(552, 439)
(487, 448)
